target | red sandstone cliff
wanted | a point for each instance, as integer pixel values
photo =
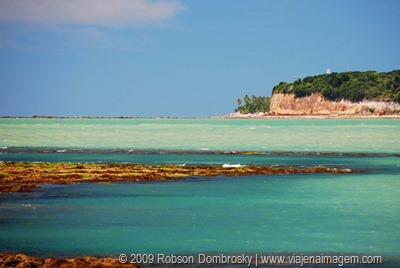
(287, 104)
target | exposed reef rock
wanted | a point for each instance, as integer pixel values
(22, 260)
(24, 176)
(287, 104)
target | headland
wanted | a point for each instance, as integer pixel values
(367, 94)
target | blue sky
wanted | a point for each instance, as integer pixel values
(180, 58)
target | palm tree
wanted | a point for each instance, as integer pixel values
(246, 100)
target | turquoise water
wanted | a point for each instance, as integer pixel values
(290, 135)
(296, 213)
(337, 213)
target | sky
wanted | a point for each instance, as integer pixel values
(185, 58)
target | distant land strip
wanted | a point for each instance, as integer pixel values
(26, 176)
(236, 115)
(97, 117)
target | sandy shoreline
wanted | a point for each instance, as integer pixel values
(27, 176)
(333, 116)
(228, 116)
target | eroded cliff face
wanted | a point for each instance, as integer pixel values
(287, 104)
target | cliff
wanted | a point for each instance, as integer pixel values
(332, 94)
(316, 104)
(351, 86)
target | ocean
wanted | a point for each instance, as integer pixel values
(357, 214)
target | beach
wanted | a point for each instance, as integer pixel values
(313, 116)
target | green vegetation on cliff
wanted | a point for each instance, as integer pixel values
(353, 86)
(253, 104)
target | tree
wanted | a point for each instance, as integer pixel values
(353, 86)
(253, 105)
(246, 100)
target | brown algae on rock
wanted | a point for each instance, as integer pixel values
(25, 176)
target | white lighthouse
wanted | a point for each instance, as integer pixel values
(328, 71)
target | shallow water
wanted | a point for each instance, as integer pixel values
(288, 135)
(339, 213)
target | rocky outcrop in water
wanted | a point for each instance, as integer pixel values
(22, 260)
(25, 176)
